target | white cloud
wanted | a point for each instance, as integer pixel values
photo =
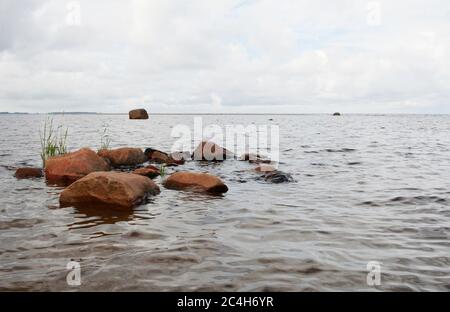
(225, 56)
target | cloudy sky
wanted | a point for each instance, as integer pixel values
(299, 56)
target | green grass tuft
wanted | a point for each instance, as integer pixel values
(53, 140)
(105, 140)
(162, 170)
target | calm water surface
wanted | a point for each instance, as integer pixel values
(368, 188)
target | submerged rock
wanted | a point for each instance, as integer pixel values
(181, 156)
(27, 173)
(125, 156)
(138, 114)
(149, 171)
(70, 167)
(254, 158)
(162, 158)
(109, 189)
(195, 181)
(210, 151)
(248, 156)
(277, 177)
(265, 168)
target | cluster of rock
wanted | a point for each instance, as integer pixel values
(117, 178)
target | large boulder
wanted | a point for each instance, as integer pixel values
(194, 181)
(70, 167)
(162, 158)
(28, 173)
(138, 114)
(125, 156)
(210, 151)
(108, 189)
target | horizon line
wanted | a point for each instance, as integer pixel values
(200, 113)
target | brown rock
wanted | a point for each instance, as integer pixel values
(108, 190)
(265, 168)
(196, 182)
(70, 167)
(162, 158)
(27, 173)
(138, 114)
(149, 171)
(125, 156)
(157, 156)
(212, 152)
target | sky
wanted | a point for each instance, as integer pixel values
(225, 56)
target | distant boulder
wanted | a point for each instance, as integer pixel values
(337, 114)
(27, 173)
(138, 114)
(125, 156)
(66, 169)
(194, 181)
(108, 190)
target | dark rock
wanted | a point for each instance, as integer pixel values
(138, 114)
(277, 177)
(337, 114)
(27, 173)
